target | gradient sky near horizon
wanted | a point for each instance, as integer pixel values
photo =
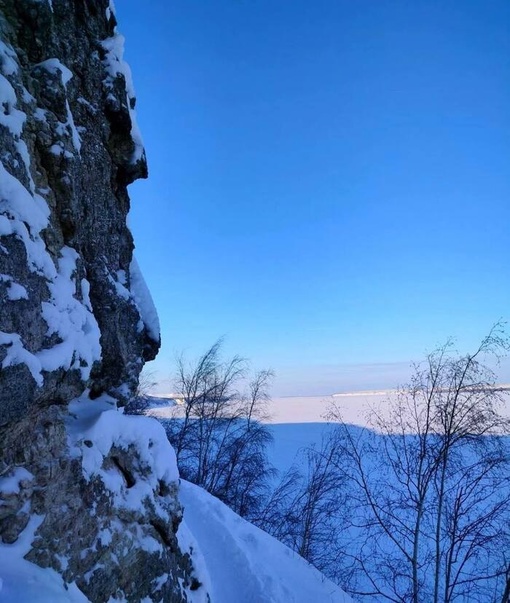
(329, 181)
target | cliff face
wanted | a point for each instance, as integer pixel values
(92, 493)
(70, 147)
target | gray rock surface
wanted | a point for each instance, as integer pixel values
(93, 528)
(74, 320)
(69, 140)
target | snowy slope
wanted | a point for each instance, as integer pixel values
(243, 563)
(235, 561)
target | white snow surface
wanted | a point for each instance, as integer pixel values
(8, 61)
(243, 563)
(72, 320)
(100, 423)
(24, 582)
(143, 300)
(116, 66)
(55, 66)
(16, 353)
(15, 291)
(10, 116)
(10, 484)
(139, 293)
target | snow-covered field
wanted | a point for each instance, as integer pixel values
(303, 409)
(300, 422)
(313, 409)
(354, 407)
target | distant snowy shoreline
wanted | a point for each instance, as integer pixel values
(353, 406)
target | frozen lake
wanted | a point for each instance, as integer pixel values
(314, 409)
(353, 406)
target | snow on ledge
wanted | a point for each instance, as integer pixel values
(115, 67)
(102, 426)
(144, 301)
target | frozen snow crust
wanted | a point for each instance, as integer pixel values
(74, 314)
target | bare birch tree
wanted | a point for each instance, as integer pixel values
(430, 485)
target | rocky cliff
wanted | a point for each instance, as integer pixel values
(91, 492)
(70, 147)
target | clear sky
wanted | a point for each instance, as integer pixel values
(329, 181)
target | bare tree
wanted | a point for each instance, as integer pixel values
(258, 396)
(219, 440)
(205, 389)
(430, 484)
(306, 507)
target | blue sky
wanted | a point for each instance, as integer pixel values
(329, 181)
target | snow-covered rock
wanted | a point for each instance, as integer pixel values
(85, 492)
(70, 317)
(90, 494)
